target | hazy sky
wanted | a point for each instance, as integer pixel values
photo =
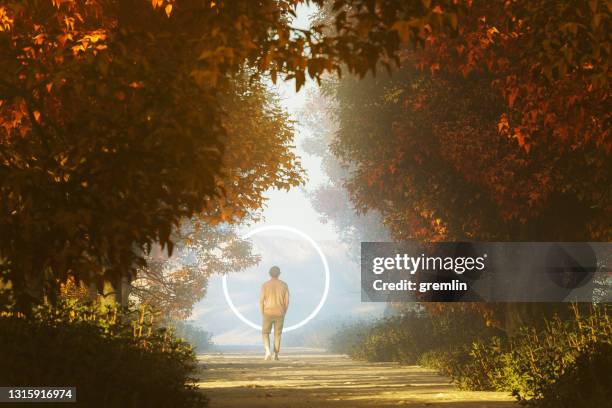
(300, 265)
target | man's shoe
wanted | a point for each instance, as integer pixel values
(268, 357)
(275, 356)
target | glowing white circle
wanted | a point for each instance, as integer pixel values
(325, 266)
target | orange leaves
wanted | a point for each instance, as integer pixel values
(512, 95)
(95, 36)
(15, 120)
(69, 23)
(58, 3)
(136, 85)
(522, 138)
(439, 229)
(491, 33)
(93, 41)
(6, 22)
(416, 102)
(300, 79)
(433, 68)
(503, 126)
(562, 132)
(518, 133)
(39, 39)
(160, 4)
(406, 28)
(465, 70)
(63, 38)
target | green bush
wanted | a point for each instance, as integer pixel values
(392, 339)
(565, 364)
(200, 339)
(478, 366)
(110, 363)
(537, 360)
(532, 364)
(587, 383)
(441, 361)
(348, 338)
(406, 338)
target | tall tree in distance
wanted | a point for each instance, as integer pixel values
(258, 153)
(332, 200)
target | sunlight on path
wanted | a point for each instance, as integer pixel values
(310, 378)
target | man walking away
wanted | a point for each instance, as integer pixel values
(273, 304)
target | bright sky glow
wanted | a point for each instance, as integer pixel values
(300, 264)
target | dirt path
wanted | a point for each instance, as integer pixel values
(306, 378)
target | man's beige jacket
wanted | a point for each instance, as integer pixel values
(274, 298)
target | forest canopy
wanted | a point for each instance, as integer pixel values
(116, 120)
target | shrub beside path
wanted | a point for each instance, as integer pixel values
(310, 378)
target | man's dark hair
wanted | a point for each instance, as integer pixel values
(274, 271)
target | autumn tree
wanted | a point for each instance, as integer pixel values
(483, 135)
(253, 121)
(171, 286)
(258, 155)
(98, 109)
(500, 132)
